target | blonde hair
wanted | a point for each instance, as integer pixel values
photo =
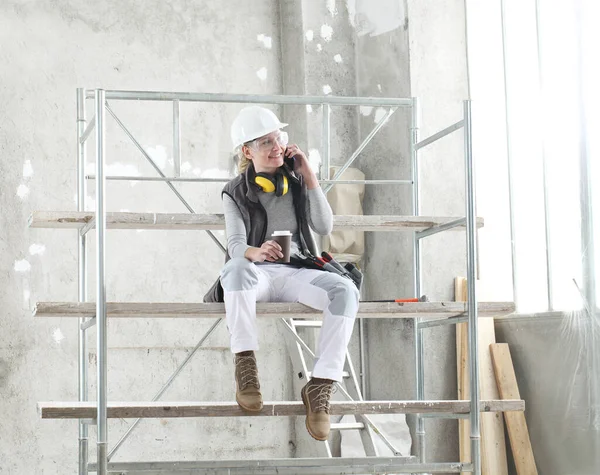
(243, 161)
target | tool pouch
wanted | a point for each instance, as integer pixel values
(355, 272)
(350, 271)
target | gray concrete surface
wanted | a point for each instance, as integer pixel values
(431, 66)
(311, 38)
(49, 51)
(262, 46)
(553, 356)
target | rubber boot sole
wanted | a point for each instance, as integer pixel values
(321, 439)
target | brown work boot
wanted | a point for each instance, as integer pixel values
(315, 396)
(247, 393)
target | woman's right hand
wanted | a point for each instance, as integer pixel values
(270, 251)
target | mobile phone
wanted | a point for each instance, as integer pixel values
(289, 161)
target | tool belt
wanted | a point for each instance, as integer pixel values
(327, 263)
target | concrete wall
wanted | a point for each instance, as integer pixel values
(49, 49)
(262, 46)
(426, 59)
(318, 45)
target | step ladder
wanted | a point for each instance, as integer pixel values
(297, 347)
(426, 314)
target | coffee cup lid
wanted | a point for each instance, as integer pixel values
(282, 233)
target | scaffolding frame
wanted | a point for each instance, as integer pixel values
(98, 122)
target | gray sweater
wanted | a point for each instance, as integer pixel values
(280, 217)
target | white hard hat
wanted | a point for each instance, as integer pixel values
(253, 122)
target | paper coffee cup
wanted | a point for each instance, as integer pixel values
(284, 239)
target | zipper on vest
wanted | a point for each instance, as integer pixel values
(299, 209)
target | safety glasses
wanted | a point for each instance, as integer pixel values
(266, 143)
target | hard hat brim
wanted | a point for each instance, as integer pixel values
(262, 133)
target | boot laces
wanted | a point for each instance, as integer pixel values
(319, 395)
(248, 371)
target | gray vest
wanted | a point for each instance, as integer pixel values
(243, 191)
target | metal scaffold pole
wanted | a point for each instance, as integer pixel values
(82, 368)
(101, 285)
(418, 332)
(472, 296)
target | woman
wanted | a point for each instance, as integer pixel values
(268, 196)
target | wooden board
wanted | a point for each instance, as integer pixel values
(87, 410)
(189, 221)
(464, 430)
(462, 373)
(296, 466)
(493, 445)
(268, 310)
(518, 433)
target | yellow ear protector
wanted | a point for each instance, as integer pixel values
(269, 184)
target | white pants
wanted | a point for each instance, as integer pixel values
(245, 284)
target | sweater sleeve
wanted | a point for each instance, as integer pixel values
(320, 216)
(234, 228)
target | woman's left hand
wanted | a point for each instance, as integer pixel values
(301, 164)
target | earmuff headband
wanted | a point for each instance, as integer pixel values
(277, 184)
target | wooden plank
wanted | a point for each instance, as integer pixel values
(493, 445)
(268, 310)
(462, 373)
(516, 424)
(296, 466)
(461, 289)
(87, 410)
(188, 221)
